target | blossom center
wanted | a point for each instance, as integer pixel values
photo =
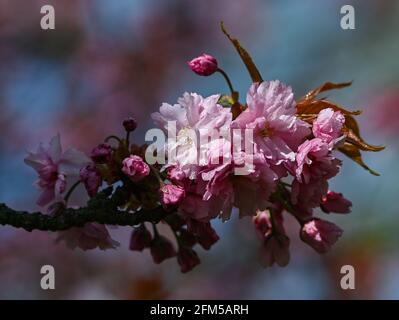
(184, 137)
(267, 131)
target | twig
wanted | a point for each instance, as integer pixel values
(101, 209)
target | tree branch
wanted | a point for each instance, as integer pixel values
(101, 209)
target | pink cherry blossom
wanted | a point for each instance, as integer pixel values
(252, 191)
(248, 192)
(176, 175)
(54, 167)
(196, 204)
(171, 194)
(263, 224)
(328, 126)
(271, 115)
(193, 205)
(320, 234)
(204, 65)
(91, 178)
(193, 117)
(135, 168)
(275, 243)
(308, 195)
(335, 202)
(91, 236)
(314, 160)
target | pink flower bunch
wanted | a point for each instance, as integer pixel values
(135, 168)
(55, 168)
(285, 165)
(266, 158)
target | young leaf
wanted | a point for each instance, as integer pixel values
(310, 108)
(325, 87)
(353, 153)
(245, 57)
(352, 131)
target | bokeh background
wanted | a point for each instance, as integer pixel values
(107, 60)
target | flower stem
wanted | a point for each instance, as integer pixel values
(282, 196)
(113, 137)
(156, 233)
(226, 77)
(274, 228)
(70, 191)
(176, 236)
(156, 172)
(127, 139)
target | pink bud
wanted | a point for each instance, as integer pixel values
(204, 65)
(176, 175)
(262, 223)
(187, 259)
(162, 249)
(204, 232)
(186, 238)
(102, 153)
(275, 249)
(171, 194)
(140, 239)
(328, 125)
(320, 234)
(135, 168)
(130, 124)
(335, 202)
(91, 178)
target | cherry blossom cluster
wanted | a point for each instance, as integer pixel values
(284, 166)
(292, 164)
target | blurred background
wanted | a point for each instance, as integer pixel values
(107, 60)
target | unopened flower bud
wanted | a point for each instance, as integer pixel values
(275, 249)
(130, 124)
(204, 232)
(140, 239)
(335, 202)
(102, 153)
(320, 234)
(204, 65)
(186, 238)
(263, 224)
(91, 178)
(328, 125)
(161, 249)
(171, 194)
(135, 168)
(187, 259)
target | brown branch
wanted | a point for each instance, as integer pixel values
(102, 209)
